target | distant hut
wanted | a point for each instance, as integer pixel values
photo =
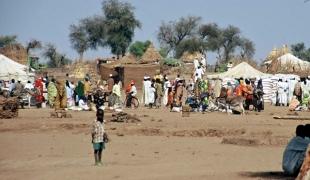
(151, 55)
(188, 57)
(128, 68)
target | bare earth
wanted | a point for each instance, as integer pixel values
(163, 145)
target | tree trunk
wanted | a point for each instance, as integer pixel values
(219, 55)
(226, 54)
(81, 57)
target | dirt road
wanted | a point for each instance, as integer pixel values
(163, 145)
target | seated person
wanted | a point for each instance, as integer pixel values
(294, 153)
(294, 104)
(83, 105)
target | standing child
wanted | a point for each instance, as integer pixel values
(152, 92)
(97, 137)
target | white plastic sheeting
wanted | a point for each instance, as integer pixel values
(243, 70)
(10, 69)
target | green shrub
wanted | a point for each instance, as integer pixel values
(172, 62)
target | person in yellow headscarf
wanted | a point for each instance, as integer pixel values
(52, 92)
(87, 88)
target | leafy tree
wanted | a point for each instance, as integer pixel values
(33, 44)
(163, 52)
(121, 22)
(171, 34)
(299, 50)
(172, 62)
(7, 40)
(115, 29)
(96, 31)
(231, 40)
(225, 41)
(247, 48)
(212, 36)
(78, 38)
(55, 59)
(138, 48)
(190, 45)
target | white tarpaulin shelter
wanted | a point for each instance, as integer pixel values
(291, 60)
(10, 69)
(243, 70)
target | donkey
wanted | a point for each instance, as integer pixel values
(230, 102)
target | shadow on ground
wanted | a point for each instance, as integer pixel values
(267, 175)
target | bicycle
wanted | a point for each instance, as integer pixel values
(134, 102)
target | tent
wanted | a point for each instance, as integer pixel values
(10, 69)
(243, 70)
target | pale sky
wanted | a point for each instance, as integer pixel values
(268, 23)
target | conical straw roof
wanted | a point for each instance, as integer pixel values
(128, 59)
(151, 55)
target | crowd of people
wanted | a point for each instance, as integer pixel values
(293, 93)
(43, 90)
(198, 92)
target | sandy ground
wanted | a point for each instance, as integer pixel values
(163, 145)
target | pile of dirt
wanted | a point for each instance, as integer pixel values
(150, 132)
(186, 133)
(190, 133)
(274, 141)
(8, 107)
(241, 141)
(208, 133)
(70, 126)
(257, 141)
(123, 117)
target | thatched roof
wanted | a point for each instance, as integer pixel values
(188, 57)
(151, 55)
(288, 63)
(128, 59)
(275, 53)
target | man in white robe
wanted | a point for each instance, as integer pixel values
(146, 86)
(282, 92)
(167, 85)
(291, 86)
(196, 63)
(203, 62)
(199, 73)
